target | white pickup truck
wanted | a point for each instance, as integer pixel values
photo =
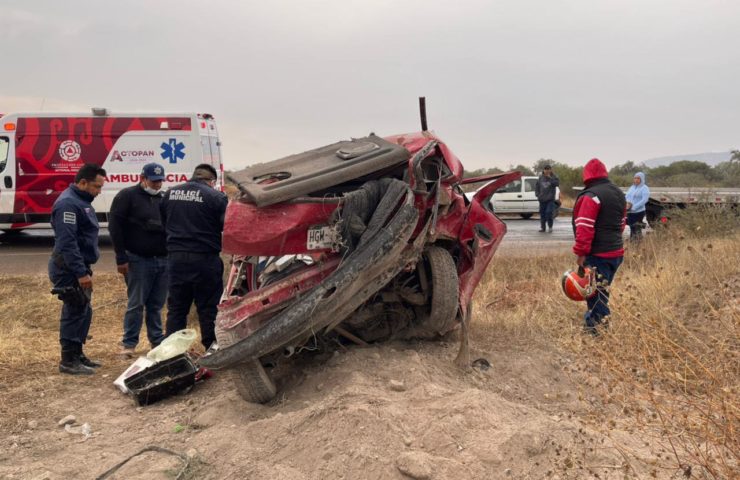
(517, 198)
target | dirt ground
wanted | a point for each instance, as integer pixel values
(394, 411)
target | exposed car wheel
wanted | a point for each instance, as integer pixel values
(252, 381)
(526, 216)
(440, 275)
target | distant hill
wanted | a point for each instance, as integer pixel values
(710, 158)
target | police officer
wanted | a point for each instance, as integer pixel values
(75, 250)
(141, 256)
(193, 214)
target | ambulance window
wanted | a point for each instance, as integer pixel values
(4, 148)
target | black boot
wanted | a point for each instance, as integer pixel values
(71, 364)
(86, 361)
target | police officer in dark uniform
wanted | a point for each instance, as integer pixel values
(193, 214)
(75, 250)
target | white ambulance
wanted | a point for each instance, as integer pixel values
(41, 152)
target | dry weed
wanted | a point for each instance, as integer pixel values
(668, 366)
(30, 323)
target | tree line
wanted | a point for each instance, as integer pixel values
(684, 173)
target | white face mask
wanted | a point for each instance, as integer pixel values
(151, 191)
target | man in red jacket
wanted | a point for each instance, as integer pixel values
(598, 223)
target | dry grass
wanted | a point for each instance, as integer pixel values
(30, 323)
(30, 320)
(668, 367)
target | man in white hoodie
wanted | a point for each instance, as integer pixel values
(637, 197)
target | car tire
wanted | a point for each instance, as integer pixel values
(526, 216)
(439, 317)
(252, 381)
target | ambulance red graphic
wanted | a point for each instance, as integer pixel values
(70, 150)
(40, 154)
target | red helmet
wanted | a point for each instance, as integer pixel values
(579, 285)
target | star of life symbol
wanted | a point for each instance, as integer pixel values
(70, 151)
(173, 150)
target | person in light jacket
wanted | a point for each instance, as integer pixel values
(637, 197)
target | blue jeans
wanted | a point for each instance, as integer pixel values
(546, 211)
(598, 305)
(75, 320)
(147, 290)
(194, 277)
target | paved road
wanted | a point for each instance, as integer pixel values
(27, 252)
(523, 237)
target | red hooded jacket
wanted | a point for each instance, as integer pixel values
(599, 214)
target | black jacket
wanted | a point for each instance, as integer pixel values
(135, 224)
(544, 189)
(609, 223)
(75, 230)
(193, 214)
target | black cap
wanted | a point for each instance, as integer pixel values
(153, 171)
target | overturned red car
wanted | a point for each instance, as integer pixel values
(361, 241)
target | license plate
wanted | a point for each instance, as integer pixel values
(320, 238)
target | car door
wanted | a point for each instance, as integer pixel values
(508, 198)
(530, 204)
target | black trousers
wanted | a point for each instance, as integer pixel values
(75, 320)
(634, 221)
(194, 277)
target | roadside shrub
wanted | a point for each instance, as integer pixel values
(702, 221)
(668, 365)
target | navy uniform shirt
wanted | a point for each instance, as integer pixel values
(193, 215)
(75, 230)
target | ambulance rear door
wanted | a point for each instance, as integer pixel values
(211, 144)
(7, 172)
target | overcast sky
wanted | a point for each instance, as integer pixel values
(506, 82)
